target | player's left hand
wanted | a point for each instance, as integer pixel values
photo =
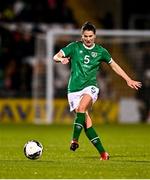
(134, 84)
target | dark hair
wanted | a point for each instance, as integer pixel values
(89, 27)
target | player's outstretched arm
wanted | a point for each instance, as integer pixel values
(60, 58)
(130, 82)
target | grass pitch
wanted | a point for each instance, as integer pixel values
(128, 145)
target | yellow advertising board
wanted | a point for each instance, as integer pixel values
(25, 110)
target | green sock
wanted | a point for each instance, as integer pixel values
(78, 125)
(93, 137)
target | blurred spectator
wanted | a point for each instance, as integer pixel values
(45, 11)
(16, 72)
(11, 77)
(8, 13)
(18, 7)
(25, 77)
(6, 39)
(22, 45)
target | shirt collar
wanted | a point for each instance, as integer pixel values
(89, 47)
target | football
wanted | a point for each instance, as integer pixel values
(33, 149)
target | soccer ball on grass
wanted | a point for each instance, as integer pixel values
(33, 149)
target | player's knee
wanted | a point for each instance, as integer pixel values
(81, 109)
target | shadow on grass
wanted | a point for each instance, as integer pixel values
(33, 161)
(114, 159)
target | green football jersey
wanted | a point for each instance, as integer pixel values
(85, 63)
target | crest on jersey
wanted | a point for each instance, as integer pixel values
(93, 54)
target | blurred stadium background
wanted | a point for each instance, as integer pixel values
(33, 88)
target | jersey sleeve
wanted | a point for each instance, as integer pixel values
(67, 50)
(106, 56)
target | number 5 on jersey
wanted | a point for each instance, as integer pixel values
(86, 59)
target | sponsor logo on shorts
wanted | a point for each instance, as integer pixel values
(93, 90)
(72, 104)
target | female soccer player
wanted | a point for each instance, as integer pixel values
(85, 57)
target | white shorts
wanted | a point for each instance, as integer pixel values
(75, 97)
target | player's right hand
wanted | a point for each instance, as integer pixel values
(65, 60)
